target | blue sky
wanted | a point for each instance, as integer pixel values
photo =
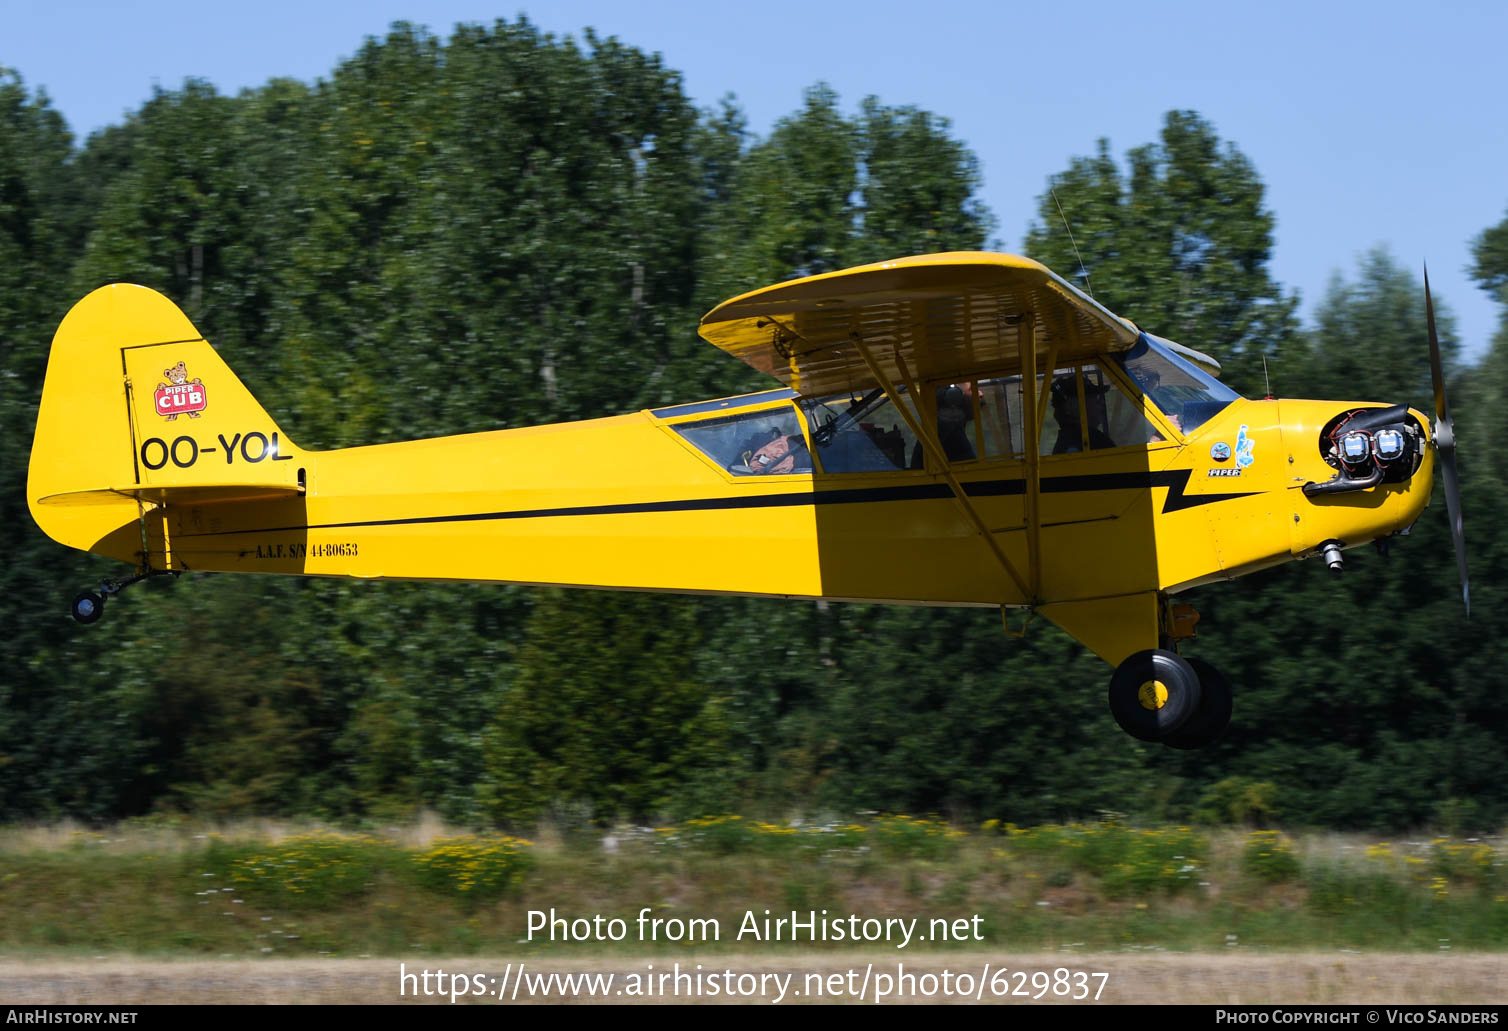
(1370, 123)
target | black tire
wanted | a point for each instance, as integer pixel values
(1209, 721)
(1153, 694)
(88, 607)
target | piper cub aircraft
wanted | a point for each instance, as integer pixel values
(952, 429)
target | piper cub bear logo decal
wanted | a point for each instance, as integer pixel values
(179, 394)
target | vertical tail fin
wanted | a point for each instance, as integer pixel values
(139, 411)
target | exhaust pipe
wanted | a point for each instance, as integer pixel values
(1333, 559)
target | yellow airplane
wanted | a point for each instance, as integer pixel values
(953, 429)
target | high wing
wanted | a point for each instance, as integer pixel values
(944, 315)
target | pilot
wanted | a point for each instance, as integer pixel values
(1098, 411)
(1150, 380)
(771, 454)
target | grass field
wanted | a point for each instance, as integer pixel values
(277, 913)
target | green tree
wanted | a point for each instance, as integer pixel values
(1369, 337)
(606, 718)
(1360, 728)
(507, 228)
(938, 710)
(1179, 242)
(827, 191)
(919, 187)
(791, 209)
(58, 752)
(1490, 261)
(487, 218)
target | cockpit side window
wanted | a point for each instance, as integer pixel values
(1063, 427)
(1085, 408)
(1089, 411)
(1115, 419)
(763, 443)
(998, 423)
(861, 433)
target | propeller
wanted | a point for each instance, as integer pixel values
(1445, 446)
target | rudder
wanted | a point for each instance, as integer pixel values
(139, 411)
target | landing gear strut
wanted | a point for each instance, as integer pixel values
(1156, 695)
(89, 606)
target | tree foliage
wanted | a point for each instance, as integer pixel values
(1179, 242)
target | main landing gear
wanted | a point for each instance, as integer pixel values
(89, 606)
(1156, 695)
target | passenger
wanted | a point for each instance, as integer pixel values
(1150, 381)
(955, 413)
(1065, 412)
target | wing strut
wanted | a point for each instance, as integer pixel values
(142, 509)
(935, 451)
(1031, 421)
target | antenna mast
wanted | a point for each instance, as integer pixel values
(1082, 270)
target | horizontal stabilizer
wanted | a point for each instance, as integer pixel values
(183, 494)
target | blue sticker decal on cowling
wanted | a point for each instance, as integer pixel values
(1244, 446)
(1220, 451)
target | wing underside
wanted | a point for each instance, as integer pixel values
(938, 316)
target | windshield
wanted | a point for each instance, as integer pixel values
(1185, 393)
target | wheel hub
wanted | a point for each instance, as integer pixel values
(1153, 695)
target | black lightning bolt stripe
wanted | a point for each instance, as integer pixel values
(1176, 480)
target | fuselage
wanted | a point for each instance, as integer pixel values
(632, 502)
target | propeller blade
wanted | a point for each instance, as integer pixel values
(1447, 463)
(1445, 447)
(1436, 372)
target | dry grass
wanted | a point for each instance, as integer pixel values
(174, 837)
(158, 889)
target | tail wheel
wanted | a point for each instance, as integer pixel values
(1213, 715)
(1153, 694)
(88, 607)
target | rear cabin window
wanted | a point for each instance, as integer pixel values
(979, 418)
(999, 417)
(1085, 410)
(765, 443)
